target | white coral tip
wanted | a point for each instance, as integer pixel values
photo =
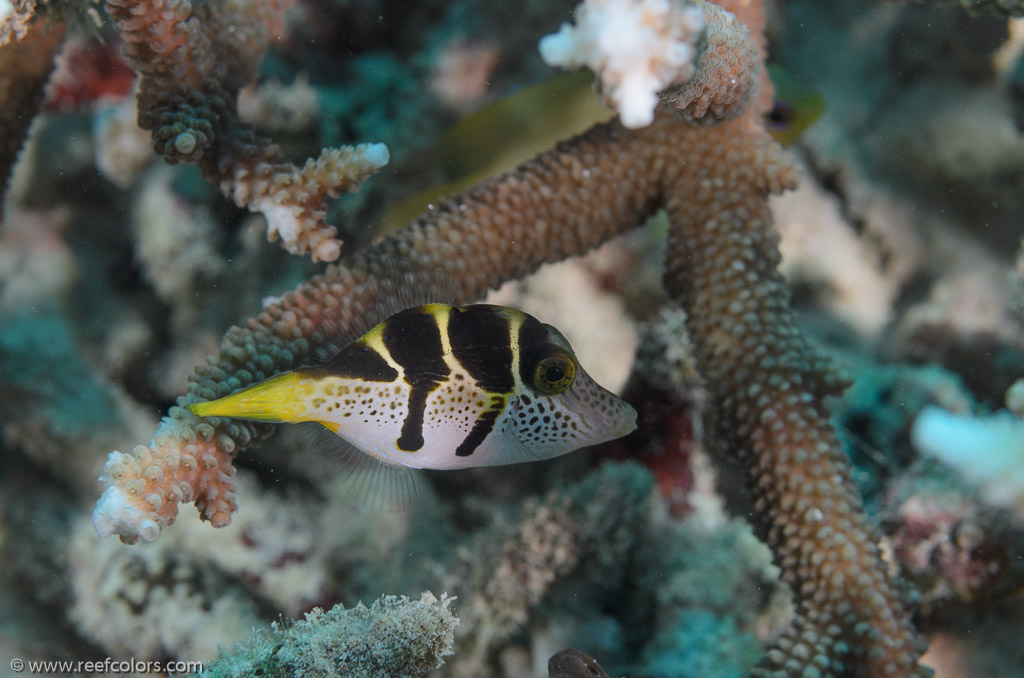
(327, 250)
(115, 514)
(557, 49)
(638, 48)
(987, 451)
(377, 155)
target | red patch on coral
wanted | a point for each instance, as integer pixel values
(662, 443)
(671, 466)
(951, 548)
(87, 72)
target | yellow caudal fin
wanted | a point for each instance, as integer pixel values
(281, 398)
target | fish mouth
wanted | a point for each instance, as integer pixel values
(629, 423)
(613, 427)
(619, 420)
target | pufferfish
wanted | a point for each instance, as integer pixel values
(444, 387)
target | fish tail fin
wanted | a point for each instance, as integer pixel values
(279, 399)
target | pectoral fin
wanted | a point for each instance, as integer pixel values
(376, 485)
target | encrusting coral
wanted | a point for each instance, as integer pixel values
(395, 636)
(768, 384)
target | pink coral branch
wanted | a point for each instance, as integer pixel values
(147, 485)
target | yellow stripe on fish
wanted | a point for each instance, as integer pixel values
(444, 387)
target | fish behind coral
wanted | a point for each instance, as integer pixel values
(797, 106)
(445, 387)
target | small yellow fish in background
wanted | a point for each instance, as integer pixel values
(443, 387)
(797, 106)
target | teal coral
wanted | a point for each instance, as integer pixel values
(701, 645)
(395, 637)
(55, 402)
(31, 347)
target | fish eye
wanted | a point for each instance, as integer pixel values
(553, 374)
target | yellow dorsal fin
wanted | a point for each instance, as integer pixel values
(282, 398)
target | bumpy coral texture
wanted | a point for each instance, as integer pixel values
(769, 388)
(728, 73)
(193, 59)
(146, 486)
(768, 384)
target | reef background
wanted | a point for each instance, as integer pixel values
(119, 273)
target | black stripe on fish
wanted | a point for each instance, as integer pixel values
(413, 339)
(359, 361)
(481, 342)
(482, 428)
(532, 336)
(411, 439)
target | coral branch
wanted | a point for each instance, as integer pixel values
(768, 387)
(294, 201)
(146, 487)
(192, 61)
(27, 51)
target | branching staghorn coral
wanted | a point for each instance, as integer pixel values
(192, 60)
(767, 383)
